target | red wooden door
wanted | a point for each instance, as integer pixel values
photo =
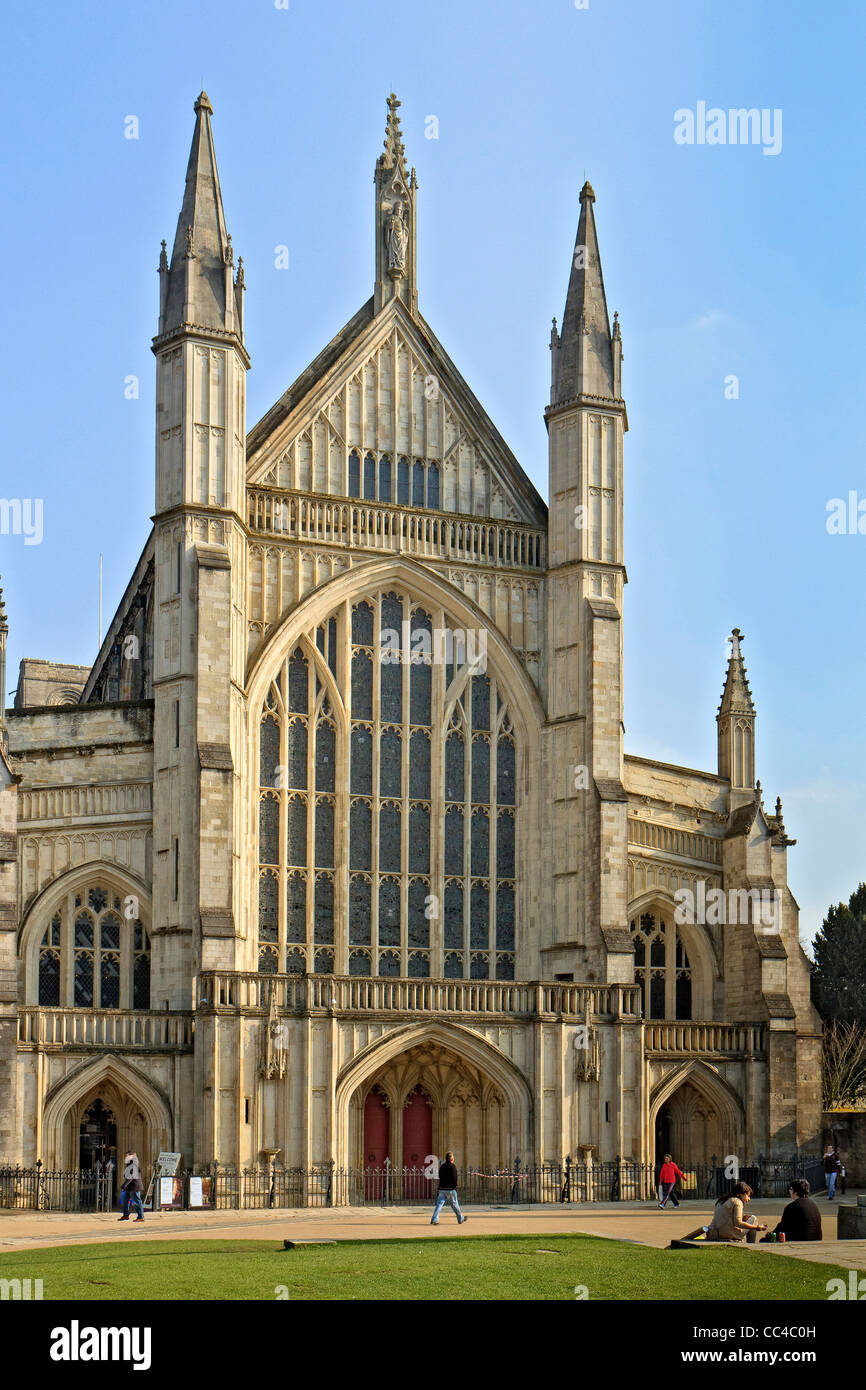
(377, 1126)
(417, 1145)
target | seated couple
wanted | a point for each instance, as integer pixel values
(801, 1219)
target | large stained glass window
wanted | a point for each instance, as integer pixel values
(387, 835)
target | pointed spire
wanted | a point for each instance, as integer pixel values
(585, 364)
(736, 696)
(196, 287)
(736, 727)
(396, 192)
(394, 155)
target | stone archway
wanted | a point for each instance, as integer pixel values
(480, 1103)
(436, 1100)
(141, 1113)
(694, 1114)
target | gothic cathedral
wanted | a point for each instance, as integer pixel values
(334, 853)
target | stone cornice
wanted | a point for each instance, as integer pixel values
(184, 331)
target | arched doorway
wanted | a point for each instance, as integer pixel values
(140, 1115)
(97, 1136)
(695, 1117)
(425, 1101)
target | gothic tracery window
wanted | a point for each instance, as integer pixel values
(387, 841)
(94, 955)
(662, 968)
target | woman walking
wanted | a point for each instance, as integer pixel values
(668, 1180)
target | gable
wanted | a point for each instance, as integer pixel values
(386, 387)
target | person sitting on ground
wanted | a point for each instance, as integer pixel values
(728, 1223)
(801, 1219)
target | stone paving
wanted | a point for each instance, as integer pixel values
(637, 1222)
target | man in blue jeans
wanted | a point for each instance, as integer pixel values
(131, 1190)
(448, 1191)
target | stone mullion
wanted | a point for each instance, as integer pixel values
(67, 953)
(395, 397)
(467, 835)
(495, 724)
(437, 800)
(670, 967)
(127, 956)
(283, 856)
(376, 733)
(406, 727)
(310, 797)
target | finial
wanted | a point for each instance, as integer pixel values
(394, 151)
(189, 253)
(759, 792)
(203, 104)
(229, 251)
(239, 278)
(616, 329)
(587, 193)
(163, 258)
(778, 808)
(736, 639)
(3, 620)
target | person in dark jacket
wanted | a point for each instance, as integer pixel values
(832, 1167)
(801, 1219)
(131, 1189)
(447, 1191)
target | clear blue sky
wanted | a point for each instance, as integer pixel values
(721, 260)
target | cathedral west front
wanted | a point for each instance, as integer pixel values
(334, 853)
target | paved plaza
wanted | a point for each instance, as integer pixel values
(637, 1222)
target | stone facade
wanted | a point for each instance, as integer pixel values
(267, 890)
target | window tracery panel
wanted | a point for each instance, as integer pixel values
(94, 955)
(662, 967)
(387, 844)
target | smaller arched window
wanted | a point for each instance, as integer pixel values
(661, 967)
(95, 954)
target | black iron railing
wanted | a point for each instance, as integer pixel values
(55, 1189)
(223, 1187)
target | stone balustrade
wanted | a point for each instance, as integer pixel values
(357, 525)
(704, 1039)
(240, 992)
(115, 1030)
(82, 802)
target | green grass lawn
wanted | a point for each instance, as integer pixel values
(448, 1268)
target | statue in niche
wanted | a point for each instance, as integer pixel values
(396, 239)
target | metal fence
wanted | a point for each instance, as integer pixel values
(325, 1185)
(47, 1189)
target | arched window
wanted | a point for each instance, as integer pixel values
(95, 953)
(388, 846)
(661, 967)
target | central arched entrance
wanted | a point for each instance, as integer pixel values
(425, 1101)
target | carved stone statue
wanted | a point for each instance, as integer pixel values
(396, 238)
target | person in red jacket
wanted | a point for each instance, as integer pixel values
(668, 1181)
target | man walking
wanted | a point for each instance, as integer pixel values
(447, 1191)
(131, 1189)
(832, 1168)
